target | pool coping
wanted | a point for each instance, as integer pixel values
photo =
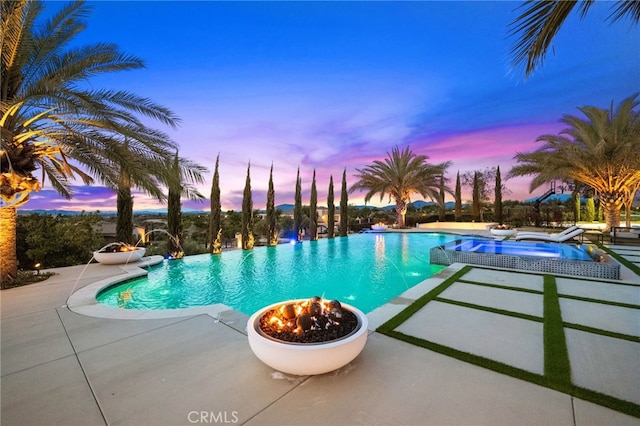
(84, 302)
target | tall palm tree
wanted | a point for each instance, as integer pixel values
(601, 151)
(400, 175)
(540, 21)
(50, 118)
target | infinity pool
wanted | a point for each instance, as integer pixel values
(365, 270)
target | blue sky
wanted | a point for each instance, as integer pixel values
(335, 85)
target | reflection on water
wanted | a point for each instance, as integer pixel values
(367, 270)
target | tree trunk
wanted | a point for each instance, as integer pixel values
(124, 216)
(8, 258)
(401, 211)
(174, 223)
(611, 205)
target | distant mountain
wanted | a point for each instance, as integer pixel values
(285, 207)
(158, 211)
(563, 198)
(62, 212)
(418, 204)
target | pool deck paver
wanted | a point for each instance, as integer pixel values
(512, 341)
(60, 367)
(498, 298)
(601, 363)
(505, 278)
(616, 319)
(610, 291)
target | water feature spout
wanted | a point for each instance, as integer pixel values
(176, 241)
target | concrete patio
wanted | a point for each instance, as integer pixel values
(60, 367)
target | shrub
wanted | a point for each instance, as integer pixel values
(55, 241)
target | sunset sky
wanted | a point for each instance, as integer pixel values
(335, 85)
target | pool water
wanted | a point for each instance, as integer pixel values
(364, 270)
(545, 250)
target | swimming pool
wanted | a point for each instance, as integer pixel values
(365, 270)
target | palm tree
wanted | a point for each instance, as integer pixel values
(400, 175)
(540, 21)
(50, 116)
(601, 151)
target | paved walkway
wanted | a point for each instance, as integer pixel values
(62, 368)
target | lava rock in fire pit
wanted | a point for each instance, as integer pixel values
(289, 312)
(316, 321)
(315, 309)
(305, 322)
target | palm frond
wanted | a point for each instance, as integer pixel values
(535, 29)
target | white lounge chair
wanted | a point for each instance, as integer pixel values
(545, 234)
(551, 238)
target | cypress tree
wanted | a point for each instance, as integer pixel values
(442, 210)
(124, 205)
(498, 197)
(313, 210)
(297, 209)
(590, 210)
(344, 200)
(247, 214)
(458, 210)
(476, 197)
(272, 230)
(331, 210)
(576, 205)
(174, 211)
(600, 212)
(214, 237)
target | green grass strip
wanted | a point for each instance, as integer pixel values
(490, 309)
(556, 360)
(601, 332)
(600, 301)
(626, 407)
(620, 259)
(503, 287)
(421, 301)
(557, 368)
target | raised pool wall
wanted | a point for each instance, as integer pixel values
(606, 269)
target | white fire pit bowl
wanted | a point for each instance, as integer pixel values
(119, 257)
(304, 359)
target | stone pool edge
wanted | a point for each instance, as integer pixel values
(84, 302)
